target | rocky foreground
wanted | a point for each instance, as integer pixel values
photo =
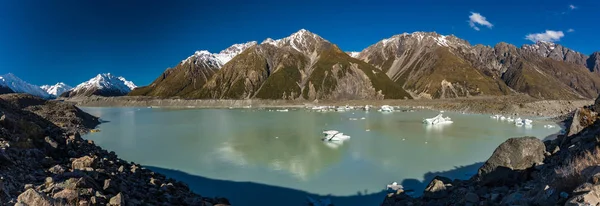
(44, 161)
(527, 171)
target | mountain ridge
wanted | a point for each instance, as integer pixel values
(10, 82)
(422, 64)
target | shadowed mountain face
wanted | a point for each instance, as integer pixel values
(190, 74)
(5, 90)
(593, 63)
(436, 66)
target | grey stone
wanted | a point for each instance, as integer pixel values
(67, 194)
(84, 162)
(515, 154)
(117, 200)
(32, 197)
(589, 194)
(436, 189)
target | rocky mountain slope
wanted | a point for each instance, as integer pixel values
(420, 65)
(593, 62)
(102, 85)
(57, 89)
(190, 74)
(301, 66)
(431, 65)
(9, 82)
(44, 161)
(528, 171)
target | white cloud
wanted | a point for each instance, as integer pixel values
(476, 19)
(571, 30)
(572, 7)
(549, 36)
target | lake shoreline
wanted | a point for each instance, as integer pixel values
(505, 105)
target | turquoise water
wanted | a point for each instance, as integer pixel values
(282, 151)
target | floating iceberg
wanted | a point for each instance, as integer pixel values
(549, 126)
(518, 122)
(334, 135)
(283, 110)
(496, 116)
(439, 119)
(386, 108)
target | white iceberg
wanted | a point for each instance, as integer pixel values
(439, 119)
(334, 135)
(386, 108)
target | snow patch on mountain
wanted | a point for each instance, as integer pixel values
(207, 59)
(106, 81)
(303, 41)
(19, 86)
(57, 89)
(353, 54)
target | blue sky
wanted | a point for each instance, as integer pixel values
(44, 42)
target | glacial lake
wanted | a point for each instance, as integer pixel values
(261, 157)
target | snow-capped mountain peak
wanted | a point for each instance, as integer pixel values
(428, 38)
(227, 54)
(106, 81)
(211, 60)
(57, 89)
(19, 86)
(303, 41)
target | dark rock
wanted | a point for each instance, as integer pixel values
(512, 199)
(510, 160)
(556, 150)
(494, 197)
(109, 186)
(472, 197)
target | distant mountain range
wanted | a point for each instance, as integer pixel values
(57, 89)
(416, 65)
(306, 66)
(102, 85)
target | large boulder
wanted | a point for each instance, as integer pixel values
(582, 118)
(32, 197)
(83, 162)
(509, 162)
(436, 188)
(586, 194)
